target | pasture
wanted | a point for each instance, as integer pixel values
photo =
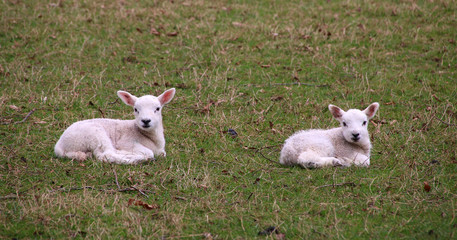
(247, 74)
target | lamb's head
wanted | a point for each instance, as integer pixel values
(354, 122)
(147, 109)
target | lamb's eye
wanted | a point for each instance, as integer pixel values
(364, 123)
(344, 124)
(136, 110)
(157, 109)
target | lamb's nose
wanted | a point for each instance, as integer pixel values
(355, 135)
(146, 121)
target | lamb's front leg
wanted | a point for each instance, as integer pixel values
(146, 153)
(137, 154)
(359, 160)
(310, 159)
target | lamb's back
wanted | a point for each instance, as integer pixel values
(317, 140)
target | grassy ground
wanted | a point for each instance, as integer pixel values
(235, 64)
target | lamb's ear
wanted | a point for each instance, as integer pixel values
(127, 98)
(370, 111)
(166, 96)
(336, 111)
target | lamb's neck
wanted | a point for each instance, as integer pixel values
(155, 135)
(364, 145)
(336, 134)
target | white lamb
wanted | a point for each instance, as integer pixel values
(342, 146)
(119, 141)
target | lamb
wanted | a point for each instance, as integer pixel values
(342, 146)
(119, 141)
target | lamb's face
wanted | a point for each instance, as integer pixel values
(147, 109)
(148, 112)
(354, 123)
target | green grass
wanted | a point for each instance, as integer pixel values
(234, 65)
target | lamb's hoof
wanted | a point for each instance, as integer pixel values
(339, 163)
(162, 154)
(309, 165)
(149, 158)
(81, 156)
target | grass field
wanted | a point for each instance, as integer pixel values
(263, 68)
